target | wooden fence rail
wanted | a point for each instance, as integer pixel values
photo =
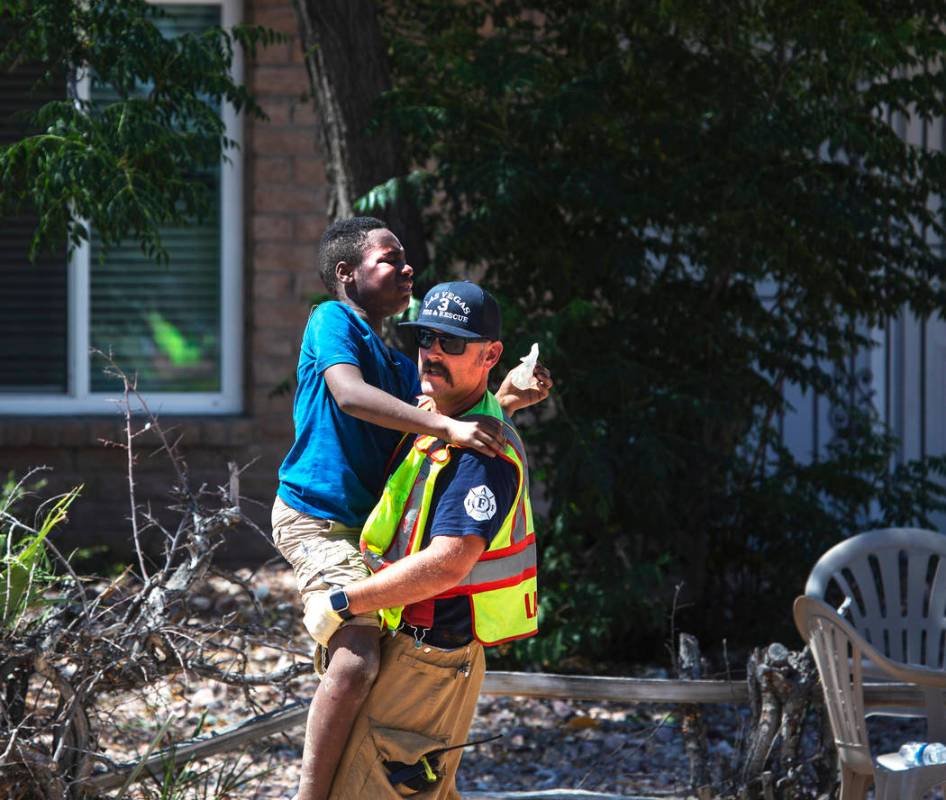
(526, 684)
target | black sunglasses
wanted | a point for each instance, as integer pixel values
(451, 345)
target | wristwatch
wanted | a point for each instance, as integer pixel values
(338, 600)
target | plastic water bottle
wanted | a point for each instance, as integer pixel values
(916, 754)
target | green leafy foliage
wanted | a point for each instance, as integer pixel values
(125, 167)
(389, 192)
(26, 569)
(690, 206)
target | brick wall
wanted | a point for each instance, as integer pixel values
(284, 200)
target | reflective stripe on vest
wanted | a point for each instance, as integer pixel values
(502, 584)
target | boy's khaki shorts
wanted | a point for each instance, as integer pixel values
(324, 555)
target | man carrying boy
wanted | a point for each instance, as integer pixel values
(452, 549)
(354, 395)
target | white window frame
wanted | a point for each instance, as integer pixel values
(78, 397)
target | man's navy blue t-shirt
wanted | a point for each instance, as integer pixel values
(335, 469)
(472, 497)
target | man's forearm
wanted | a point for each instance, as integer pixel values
(425, 574)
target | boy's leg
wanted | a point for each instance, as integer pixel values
(352, 669)
(324, 555)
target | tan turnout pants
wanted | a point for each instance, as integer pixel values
(424, 699)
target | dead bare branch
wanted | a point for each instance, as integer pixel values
(85, 638)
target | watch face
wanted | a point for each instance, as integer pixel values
(338, 600)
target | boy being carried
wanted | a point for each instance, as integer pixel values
(355, 398)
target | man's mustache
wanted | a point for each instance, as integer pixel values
(436, 368)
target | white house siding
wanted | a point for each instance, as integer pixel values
(903, 377)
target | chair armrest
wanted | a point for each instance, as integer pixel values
(806, 606)
(907, 673)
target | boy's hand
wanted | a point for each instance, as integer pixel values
(321, 620)
(485, 436)
(512, 398)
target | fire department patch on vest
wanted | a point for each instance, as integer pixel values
(480, 503)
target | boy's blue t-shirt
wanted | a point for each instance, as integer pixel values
(335, 469)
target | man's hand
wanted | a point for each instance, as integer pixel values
(513, 399)
(321, 620)
(484, 435)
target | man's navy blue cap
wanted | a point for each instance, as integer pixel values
(460, 308)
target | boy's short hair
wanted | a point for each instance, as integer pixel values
(344, 240)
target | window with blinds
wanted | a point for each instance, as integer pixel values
(175, 324)
(161, 321)
(33, 302)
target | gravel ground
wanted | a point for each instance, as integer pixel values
(602, 747)
(620, 749)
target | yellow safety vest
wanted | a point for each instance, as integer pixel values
(502, 585)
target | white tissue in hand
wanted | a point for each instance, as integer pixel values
(522, 376)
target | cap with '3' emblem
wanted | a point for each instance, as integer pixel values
(460, 308)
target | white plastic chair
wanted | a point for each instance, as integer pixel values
(840, 652)
(890, 585)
